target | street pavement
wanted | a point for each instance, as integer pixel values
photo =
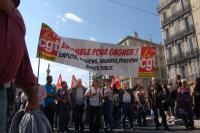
(176, 126)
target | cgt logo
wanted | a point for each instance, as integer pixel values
(148, 63)
(148, 59)
(49, 41)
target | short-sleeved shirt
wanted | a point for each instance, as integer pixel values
(109, 91)
(50, 89)
(14, 58)
(94, 100)
(126, 97)
(63, 95)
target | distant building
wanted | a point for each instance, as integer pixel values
(161, 72)
(180, 30)
(195, 4)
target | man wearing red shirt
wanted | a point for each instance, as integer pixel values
(14, 59)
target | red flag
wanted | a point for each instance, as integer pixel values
(58, 85)
(73, 81)
(116, 82)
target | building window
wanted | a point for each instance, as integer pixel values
(193, 68)
(176, 26)
(186, 23)
(184, 3)
(173, 8)
(179, 50)
(170, 52)
(183, 71)
(197, 68)
(190, 45)
(167, 33)
(164, 16)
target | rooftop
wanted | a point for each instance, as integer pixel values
(139, 40)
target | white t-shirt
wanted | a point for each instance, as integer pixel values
(126, 97)
(109, 93)
(94, 100)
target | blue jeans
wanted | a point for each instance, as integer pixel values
(3, 108)
(63, 117)
(126, 111)
(94, 119)
(162, 114)
(107, 111)
(78, 111)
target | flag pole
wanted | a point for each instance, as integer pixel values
(38, 74)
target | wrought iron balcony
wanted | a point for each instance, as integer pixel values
(164, 4)
(180, 57)
(192, 53)
(175, 15)
(179, 34)
(170, 61)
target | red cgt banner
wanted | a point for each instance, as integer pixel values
(148, 62)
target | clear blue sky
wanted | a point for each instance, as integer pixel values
(99, 20)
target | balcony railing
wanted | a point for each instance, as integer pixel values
(180, 57)
(176, 15)
(170, 60)
(179, 34)
(164, 4)
(192, 53)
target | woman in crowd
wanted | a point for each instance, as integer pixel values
(94, 96)
(107, 105)
(116, 107)
(166, 102)
(141, 106)
(184, 105)
(155, 98)
(64, 104)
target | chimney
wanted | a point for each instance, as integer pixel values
(135, 34)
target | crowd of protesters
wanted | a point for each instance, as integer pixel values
(103, 106)
(100, 103)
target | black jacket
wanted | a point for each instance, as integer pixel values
(156, 99)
